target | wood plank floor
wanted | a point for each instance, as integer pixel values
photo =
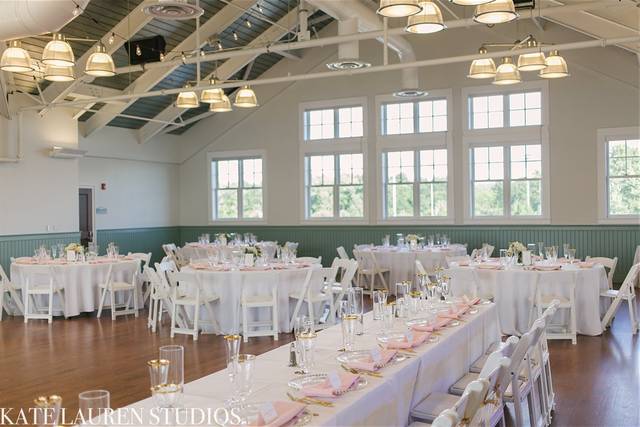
(597, 381)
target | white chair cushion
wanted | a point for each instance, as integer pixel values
(432, 405)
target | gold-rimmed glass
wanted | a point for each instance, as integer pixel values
(47, 410)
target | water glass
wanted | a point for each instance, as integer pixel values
(355, 296)
(503, 257)
(302, 324)
(388, 317)
(541, 249)
(565, 250)
(349, 322)
(379, 301)
(93, 404)
(305, 346)
(571, 254)
(47, 410)
(158, 371)
(445, 288)
(175, 375)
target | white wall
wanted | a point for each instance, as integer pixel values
(601, 92)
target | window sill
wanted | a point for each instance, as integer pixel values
(417, 221)
(509, 221)
(238, 222)
(334, 221)
(634, 220)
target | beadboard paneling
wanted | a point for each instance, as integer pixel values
(139, 239)
(24, 245)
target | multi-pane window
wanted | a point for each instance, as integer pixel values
(506, 180)
(510, 110)
(415, 183)
(333, 123)
(237, 188)
(623, 177)
(334, 186)
(401, 118)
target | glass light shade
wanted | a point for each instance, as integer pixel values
(470, 2)
(15, 59)
(428, 20)
(507, 73)
(187, 99)
(246, 98)
(398, 8)
(58, 74)
(495, 12)
(221, 107)
(556, 67)
(482, 68)
(58, 52)
(531, 61)
(100, 63)
(212, 96)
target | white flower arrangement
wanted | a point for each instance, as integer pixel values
(253, 250)
(413, 238)
(515, 249)
(75, 247)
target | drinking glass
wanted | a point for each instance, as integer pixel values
(54, 252)
(175, 375)
(399, 239)
(355, 296)
(158, 371)
(388, 317)
(541, 249)
(244, 381)
(503, 257)
(565, 250)
(301, 325)
(93, 404)
(305, 346)
(349, 322)
(402, 299)
(47, 410)
(547, 253)
(531, 247)
(571, 253)
(379, 300)
(445, 286)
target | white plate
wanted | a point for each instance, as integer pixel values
(314, 379)
(253, 410)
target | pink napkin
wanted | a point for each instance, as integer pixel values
(286, 412)
(25, 260)
(418, 338)
(547, 267)
(324, 389)
(439, 324)
(367, 363)
(586, 264)
(489, 266)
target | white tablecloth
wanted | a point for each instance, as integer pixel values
(80, 282)
(228, 286)
(383, 401)
(514, 291)
(401, 263)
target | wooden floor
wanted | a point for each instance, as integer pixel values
(597, 381)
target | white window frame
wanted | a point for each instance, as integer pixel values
(237, 155)
(415, 141)
(604, 135)
(506, 136)
(334, 146)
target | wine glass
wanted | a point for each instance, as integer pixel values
(175, 375)
(92, 405)
(243, 384)
(355, 296)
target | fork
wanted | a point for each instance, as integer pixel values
(310, 401)
(360, 372)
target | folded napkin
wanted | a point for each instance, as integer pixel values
(367, 363)
(547, 267)
(489, 266)
(324, 389)
(418, 338)
(25, 260)
(285, 412)
(439, 324)
(586, 264)
(469, 302)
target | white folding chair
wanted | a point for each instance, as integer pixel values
(636, 260)
(543, 299)
(41, 281)
(145, 260)
(342, 253)
(159, 295)
(369, 269)
(186, 291)
(608, 263)
(12, 297)
(346, 270)
(627, 293)
(112, 286)
(252, 298)
(316, 291)
(547, 395)
(308, 260)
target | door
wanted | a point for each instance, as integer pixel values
(86, 215)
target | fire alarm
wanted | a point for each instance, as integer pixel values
(103, 186)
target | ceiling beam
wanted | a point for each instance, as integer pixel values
(224, 72)
(150, 78)
(91, 90)
(124, 30)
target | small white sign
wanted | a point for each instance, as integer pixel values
(71, 256)
(334, 380)
(375, 355)
(268, 412)
(248, 260)
(526, 257)
(409, 336)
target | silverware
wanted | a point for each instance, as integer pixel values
(310, 401)
(360, 372)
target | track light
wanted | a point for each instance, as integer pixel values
(235, 36)
(138, 50)
(247, 23)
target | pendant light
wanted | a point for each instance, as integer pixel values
(212, 96)
(246, 98)
(482, 68)
(556, 66)
(15, 59)
(58, 52)
(398, 8)
(58, 74)
(507, 73)
(470, 2)
(100, 63)
(531, 61)
(187, 99)
(428, 20)
(495, 12)
(221, 107)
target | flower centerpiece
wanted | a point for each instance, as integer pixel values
(515, 250)
(253, 250)
(74, 247)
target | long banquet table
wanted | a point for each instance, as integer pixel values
(514, 290)
(384, 401)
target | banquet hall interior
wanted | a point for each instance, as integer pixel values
(319, 212)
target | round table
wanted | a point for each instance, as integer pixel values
(79, 280)
(401, 262)
(228, 286)
(514, 291)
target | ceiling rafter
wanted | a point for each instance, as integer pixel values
(214, 25)
(224, 72)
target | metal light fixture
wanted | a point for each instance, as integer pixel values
(507, 73)
(187, 99)
(531, 61)
(482, 68)
(100, 63)
(212, 96)
(245, 98)
(58, 52)
(58, 74)
(556, 66)
(470, 2)
(398, 8)
(428, 20)
(495, 12)
(15, 59)
(221, 107)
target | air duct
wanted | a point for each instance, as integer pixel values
(24, 18)
(368, 20)
(348, 52)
